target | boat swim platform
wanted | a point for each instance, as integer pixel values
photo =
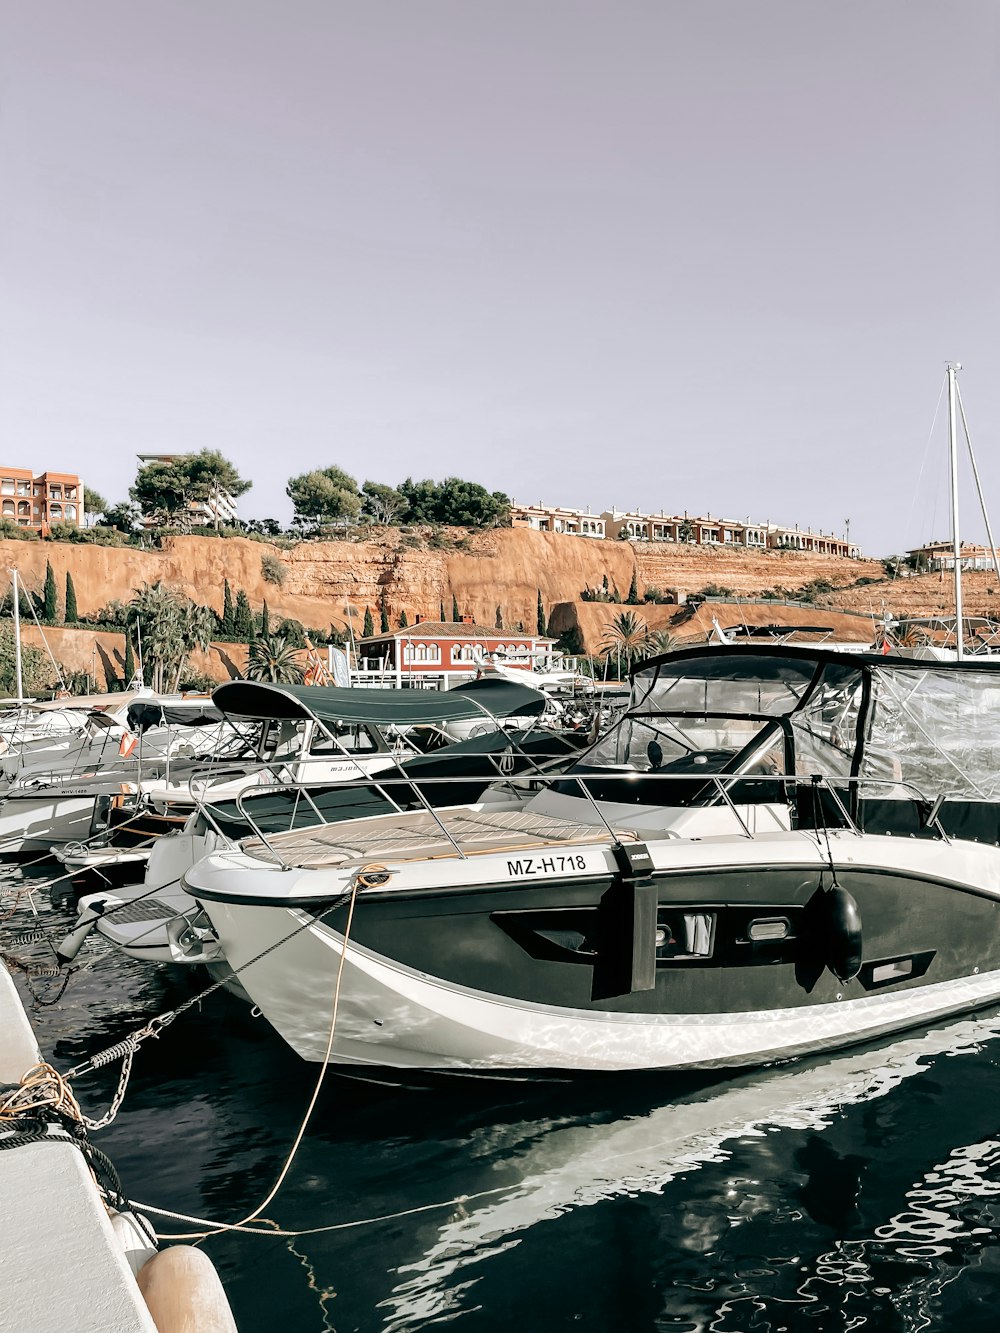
(419, 836)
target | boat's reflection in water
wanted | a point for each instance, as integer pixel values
(903, 1263)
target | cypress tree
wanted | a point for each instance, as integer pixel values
(442, 610)
(129, 660)
(633, 591)
(499, 619)
(228, 610)
(265, 621)
(242, 617)
(403, 622)
(541, 615)
(454, 608)
(383, 609)
(72, 614)
(50, 607)
(368, 628)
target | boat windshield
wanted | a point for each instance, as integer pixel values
(711, 710)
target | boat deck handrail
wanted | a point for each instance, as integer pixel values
(441, 831)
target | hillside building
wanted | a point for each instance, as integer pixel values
(38, 500)
(436, 647)
(548, 518)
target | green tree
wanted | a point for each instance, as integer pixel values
(265, 621)
(383, 610)
(625, 637)
(323, 496)
(454, 608)
(213, 477)
(498, 621)
(662, 641)
(272, 658)
(453, 501)
(167, 491)
(685, 531)
(72, 612)
(368, 628)
(94, 504)
(633, 598)
(242, 617)
(122, 517)
(403, 621)
(36, 670)
(442, 611)
(228, 609)
(50, 596)
(540, 614)
(381, 503)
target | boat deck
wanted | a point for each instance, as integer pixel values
(419, 836)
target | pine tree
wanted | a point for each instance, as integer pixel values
(129, 660)
(403, 622)
(228, 610)
(383, 611)
(541, 615)
(633, 591)
(368, 628)
(265, 621)
(242, 617)
(454, 608)
(72, 614)
(499, 619)
(50, 597)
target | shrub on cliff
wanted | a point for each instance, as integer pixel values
(272, 570)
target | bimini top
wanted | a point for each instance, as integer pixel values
(807, 710)
(477, 699)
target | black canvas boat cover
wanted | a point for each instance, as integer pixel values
(491, 697)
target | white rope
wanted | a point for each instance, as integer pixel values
(264, 1230)
(221, 1228)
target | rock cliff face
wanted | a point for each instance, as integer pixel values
(506, 568)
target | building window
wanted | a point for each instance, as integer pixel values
(433, 653)
(7, 486)
(55, 511)
(70, 492)
(23, 507)
(70, 512)
(8, 508)
(55, 492)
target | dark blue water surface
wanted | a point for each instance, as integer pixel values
(860, 1191)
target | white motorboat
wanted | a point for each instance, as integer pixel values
(774, 851)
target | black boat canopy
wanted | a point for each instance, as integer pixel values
(491, 697)
(146, 713)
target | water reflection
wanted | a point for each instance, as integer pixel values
(857, 1191)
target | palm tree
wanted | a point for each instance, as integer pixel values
(274, 660)
(662, 641)
(157, 614)
(626, 636)
(198, 626)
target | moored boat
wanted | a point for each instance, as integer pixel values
(774, 851)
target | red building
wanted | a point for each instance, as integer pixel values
(432, 647)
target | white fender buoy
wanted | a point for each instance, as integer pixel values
(184, 1293)
(73, 942)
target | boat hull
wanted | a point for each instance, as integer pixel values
(484, 979)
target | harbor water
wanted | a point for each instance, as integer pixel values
(858, 1191)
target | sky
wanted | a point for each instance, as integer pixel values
(688, 255)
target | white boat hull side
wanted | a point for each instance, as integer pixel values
(38, 823)
(393, 1016)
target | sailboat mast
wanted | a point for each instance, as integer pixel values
(17, 633)
(953, 367)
